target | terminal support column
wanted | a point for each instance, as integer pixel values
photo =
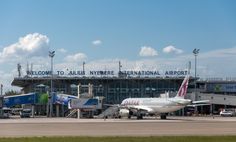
(63, 111)
(57, 110)
(78, 110)
(33, 110)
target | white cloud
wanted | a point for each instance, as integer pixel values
(62, 50)
(216, 63)
(6, 79)
(147, 51)
(31, 45)
(220, 53)
(172, 49)
(76, 57)
(97, 42)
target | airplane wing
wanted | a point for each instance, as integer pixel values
(137, 108)
(140, 108)
(112, 105)
(179, 102)
(199, 103)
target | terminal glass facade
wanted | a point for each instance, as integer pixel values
(113, 89)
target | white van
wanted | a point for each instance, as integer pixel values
(228, 112)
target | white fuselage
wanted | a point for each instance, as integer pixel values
(155, 105)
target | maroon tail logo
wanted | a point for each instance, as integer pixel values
(183, 89)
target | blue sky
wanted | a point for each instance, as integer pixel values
(105, 31)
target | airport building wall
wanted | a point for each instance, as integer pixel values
(114, 89)
(222, 94)
(218, 99)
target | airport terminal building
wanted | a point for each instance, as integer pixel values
(130, 84)
(114, 89)
(221, 93)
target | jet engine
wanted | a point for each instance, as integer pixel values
(124, 112)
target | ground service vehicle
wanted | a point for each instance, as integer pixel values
(6, 112)
(228, 112)
(25, 113)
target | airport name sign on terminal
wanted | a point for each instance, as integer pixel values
(109, 73)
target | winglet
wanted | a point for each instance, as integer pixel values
(183, 88)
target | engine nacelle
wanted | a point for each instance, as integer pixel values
(124, 112)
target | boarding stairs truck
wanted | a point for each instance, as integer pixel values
(111, 112)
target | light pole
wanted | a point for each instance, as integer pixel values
(120, 66)
(195, 53)
(83, 68)
(51, 55)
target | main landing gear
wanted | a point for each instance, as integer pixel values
(139, 116)
(163, 116)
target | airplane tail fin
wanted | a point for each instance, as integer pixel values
(183, 88)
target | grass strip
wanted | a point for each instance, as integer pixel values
(125, 139)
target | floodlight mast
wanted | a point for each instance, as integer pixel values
(51, 55)
(195, 53)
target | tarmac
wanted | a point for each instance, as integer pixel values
(173, 126)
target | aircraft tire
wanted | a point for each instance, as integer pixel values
(163, 116)
(140, 116)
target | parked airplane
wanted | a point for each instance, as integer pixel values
(154, 106)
